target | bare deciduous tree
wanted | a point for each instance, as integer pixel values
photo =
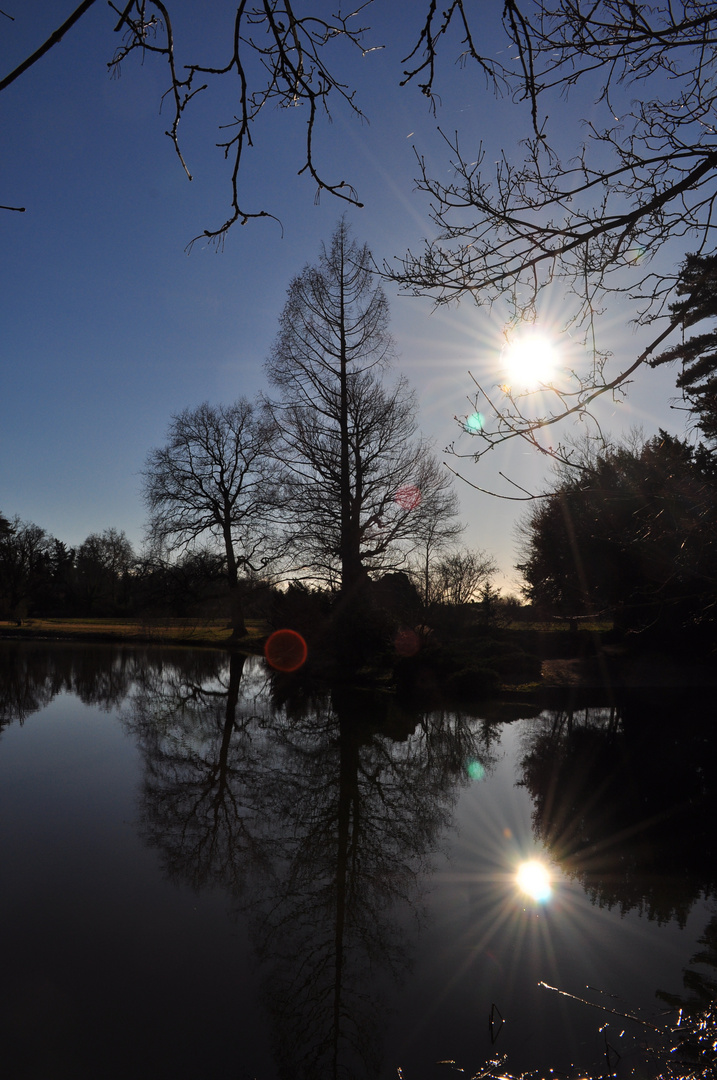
(360, 485)
(459, 576)
(437, 534)
(212, 479)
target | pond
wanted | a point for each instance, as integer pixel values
(208, 874)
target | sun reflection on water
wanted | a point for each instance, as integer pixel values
(533, 879)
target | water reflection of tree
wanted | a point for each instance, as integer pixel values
(329, 809)
(202, 762)
(625, 801)
(25, 687)
(700, 986)
(32, 674)
(357, 815)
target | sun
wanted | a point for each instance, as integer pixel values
(529, 361)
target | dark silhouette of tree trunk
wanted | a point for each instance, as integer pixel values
(350, 554)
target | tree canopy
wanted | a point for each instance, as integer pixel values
(631, 534)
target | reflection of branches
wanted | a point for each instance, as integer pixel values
(325, 814)
(623, 808)
(701, 988)
(357, 817)
(27, 684)
(201, 764)
(32, 675)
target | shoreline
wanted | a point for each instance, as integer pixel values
(606, 673)
(131, 633)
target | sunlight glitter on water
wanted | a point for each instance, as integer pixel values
(534, 880)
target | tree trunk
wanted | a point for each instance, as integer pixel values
(351, 569)
(236, 604)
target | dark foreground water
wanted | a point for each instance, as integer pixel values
(202, 876)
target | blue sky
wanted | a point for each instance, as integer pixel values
(108, 326)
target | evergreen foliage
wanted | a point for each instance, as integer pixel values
(632, 533)
(697, 354)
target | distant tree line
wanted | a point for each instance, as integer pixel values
(102, 577)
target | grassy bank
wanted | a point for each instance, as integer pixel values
(167, 631)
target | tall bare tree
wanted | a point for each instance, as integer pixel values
(360, 485)
(437, 535)
(212, 480)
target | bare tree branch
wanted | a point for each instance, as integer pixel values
(48, 44)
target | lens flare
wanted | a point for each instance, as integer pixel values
(534, 880)
(636, 253)
(475, 423)
(407, 642)
(286, 650)
(475, 770)
(408, 497)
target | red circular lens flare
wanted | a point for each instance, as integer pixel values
(407, 643)
(286, 650)
(408, 498)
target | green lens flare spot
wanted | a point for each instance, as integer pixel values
(475, 770)
(475, 423)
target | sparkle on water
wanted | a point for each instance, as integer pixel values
(534, 880)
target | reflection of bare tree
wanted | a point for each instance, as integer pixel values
(625, 802)
(356, 816)
(700, 986)
(202, 760)
(26, 685)
(32, 674)
(318, 818)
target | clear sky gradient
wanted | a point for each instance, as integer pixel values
(108, 325)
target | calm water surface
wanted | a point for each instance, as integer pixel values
(205, 875)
